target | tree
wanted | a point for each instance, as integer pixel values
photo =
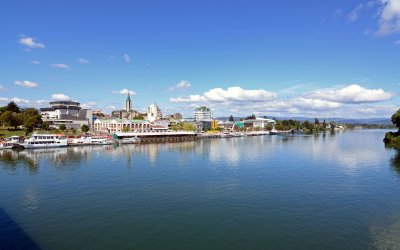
(13, 107)
(62, 127)
(124, 129)
(11, 119)
(252, 117)
(396, 119)
(316, 122)
(85, 128)
(324, 124)
(45, 126)
(231, 119)
(31, 119)
(138, 117)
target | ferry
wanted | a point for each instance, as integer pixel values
(80, 141)
(129, 140)
(12, 142)
(101, 141)
(45, 141)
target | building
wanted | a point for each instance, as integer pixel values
(126, 113)
(68, 113)
(259, 123)
(121, 125)
(176, 116)
(202, 114)
(154, 113)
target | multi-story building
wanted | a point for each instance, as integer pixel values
(68, 113)
(154, 113)
(128, 112)
(121, 125)
(202, 114)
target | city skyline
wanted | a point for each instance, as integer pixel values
(239, 58)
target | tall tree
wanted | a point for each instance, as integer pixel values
(231, 119)
(85, 128)
(11, 119)
(396, 119)
(13, 107)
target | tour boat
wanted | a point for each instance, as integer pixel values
(129, 140)
(80, 141)
(11, 142)
(45, 141)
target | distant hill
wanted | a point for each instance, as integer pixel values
(380, 121)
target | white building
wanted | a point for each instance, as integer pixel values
(68, 113)
(154, 113)
(202, 114)
(121, 125)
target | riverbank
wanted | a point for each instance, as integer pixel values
(392, 139)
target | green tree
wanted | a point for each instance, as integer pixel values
(125, 129)
(316, 122)
(396, 119)
(138, 117)
(13, 107)
(45, 126)
(324, 124)
(231, 119)
(31, 119)
(85, 128)
(11, 119)
(62, 127)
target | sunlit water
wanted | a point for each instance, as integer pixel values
(332, 191)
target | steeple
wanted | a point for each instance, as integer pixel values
(128, 103)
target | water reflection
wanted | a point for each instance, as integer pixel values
(395, 161)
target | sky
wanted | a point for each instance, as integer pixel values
(287, 58)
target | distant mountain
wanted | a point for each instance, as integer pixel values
(379, 121)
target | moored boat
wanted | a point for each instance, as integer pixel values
(12, 142)
(45, 141)
(129, 140)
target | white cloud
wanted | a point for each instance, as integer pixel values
(389, 20)
(83, 61)
(397, 42)
(30, 42)
(89, 105)
(351, 94)
(180, 85)
(2, 88)
(124, 92)
(60, 97)
(127, 58)
(3, 99)
(14, 99)
(35, 62)
(353, 15)
(26, 84)
(316, 104)
(59, 65)
(231, 94)
(41, 101)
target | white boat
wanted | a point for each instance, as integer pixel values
(80, 141)
(101, 141)
(45, 141)
(237, 134)
(129, 140)
(12, 142)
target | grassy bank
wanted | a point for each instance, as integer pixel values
(392, 139)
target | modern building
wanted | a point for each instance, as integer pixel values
(202, 114)
(259, 123)
(68, 113)
(154, 113)
(126, 113)
(121, 125)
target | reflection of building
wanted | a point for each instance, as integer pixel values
(154, 113)
(202, 113)
(68, 113)
(121, 125)
(127, 113)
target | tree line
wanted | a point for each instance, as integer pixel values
(13, 116)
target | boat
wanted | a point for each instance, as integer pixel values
(45, 141)
(226, 135)
(80, 141)
(237, 134)
(129, 140)
(102, 141)
(12, 142)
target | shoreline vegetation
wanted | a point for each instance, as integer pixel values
(392, 139)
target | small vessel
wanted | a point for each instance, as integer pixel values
(226, 135)
(45, 141)
(238, 134)
(12, 142)
(129, 140)
(80, 141)
(102, 141)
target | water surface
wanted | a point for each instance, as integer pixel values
(331, 191)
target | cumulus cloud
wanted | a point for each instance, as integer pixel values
(83, 61)
(316, 104)
(124, 92)
(2, 88)
(127, 58)
(351, 94)
(26, 84)
(60, 97)
(89, 105)
(180, 85)
(59, 65)
(14, 99)
(35, 62)
(31, 42)
(389, 17)
(397, 42)
(231, 94)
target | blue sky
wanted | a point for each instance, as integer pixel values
(279, 58)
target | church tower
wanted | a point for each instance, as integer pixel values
(128, 104)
